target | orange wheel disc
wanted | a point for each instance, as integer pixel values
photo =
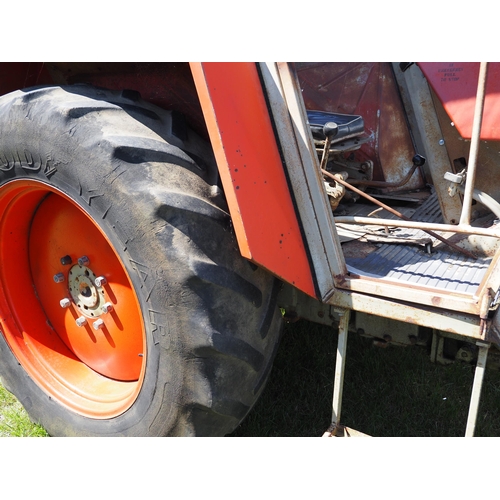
(72, 317)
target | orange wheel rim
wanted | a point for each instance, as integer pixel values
(68, 309)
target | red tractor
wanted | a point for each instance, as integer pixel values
(160, 221)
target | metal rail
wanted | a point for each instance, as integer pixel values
(424, 226)
(474, 146)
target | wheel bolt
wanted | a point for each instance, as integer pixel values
(83, 261)
(81, 321)
(66, 260)
(98, 324)
(65, 303)
(59, 277)
(100, 281)
(108, 306)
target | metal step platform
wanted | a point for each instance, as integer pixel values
(443, 268)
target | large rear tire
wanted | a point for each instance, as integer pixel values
(179, 336)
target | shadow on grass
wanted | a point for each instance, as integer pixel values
(395, 391)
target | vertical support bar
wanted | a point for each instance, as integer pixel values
(476, 388)
(338, 384)
(474, 146)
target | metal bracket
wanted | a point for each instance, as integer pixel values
(343, 431)
(455, 180)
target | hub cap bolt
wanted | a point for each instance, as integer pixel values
(83, 261)
(81, 321)
(65, 303)
(66, 260)
(59, 277)
(108, 306)
(100, 281)
(98, 324)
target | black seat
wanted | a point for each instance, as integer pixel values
(349, 126)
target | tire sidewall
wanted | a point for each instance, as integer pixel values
(57, 419)
(203, 369)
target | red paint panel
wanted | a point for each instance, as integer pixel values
(455, 85)
(251, 170)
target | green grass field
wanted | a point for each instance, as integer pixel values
(393, 391)
(14, 421)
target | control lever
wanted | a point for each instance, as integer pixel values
(330, 130)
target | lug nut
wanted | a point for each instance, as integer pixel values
(108, 306)
(59, 277)
(83, 261)
(98, 324)
(66, 260)
(100, 281)
(81, 321)
(65, 303)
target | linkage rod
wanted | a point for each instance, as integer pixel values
(397, 213)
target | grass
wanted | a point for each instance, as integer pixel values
(14, 420)
(394, 391)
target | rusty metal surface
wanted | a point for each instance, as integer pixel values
(431, 317)
(488, 171)
(369, 90)
(427, 131)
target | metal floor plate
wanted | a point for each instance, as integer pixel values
(442, 269)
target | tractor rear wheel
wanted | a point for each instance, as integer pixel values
(125, 306)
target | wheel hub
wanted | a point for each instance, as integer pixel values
(87, 297)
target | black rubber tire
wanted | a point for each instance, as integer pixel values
(211, 317)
